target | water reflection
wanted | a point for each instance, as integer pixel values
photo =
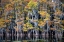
(31, 38)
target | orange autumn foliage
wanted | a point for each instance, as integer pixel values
(9, 7)
(7, 20)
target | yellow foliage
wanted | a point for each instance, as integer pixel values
(1, 19)
(27, 26)
(37, 28)
(30, 28)
(58, 12)
(47, 17)
(27, 18)
(25, 29)
(43, 1)
(32, 4)
(41, 23)
(43, 13)
(24, 25)
(2, 22)
(9, 7)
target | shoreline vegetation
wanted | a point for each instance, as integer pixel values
(32, 17)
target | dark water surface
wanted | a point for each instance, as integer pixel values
(32, 38)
